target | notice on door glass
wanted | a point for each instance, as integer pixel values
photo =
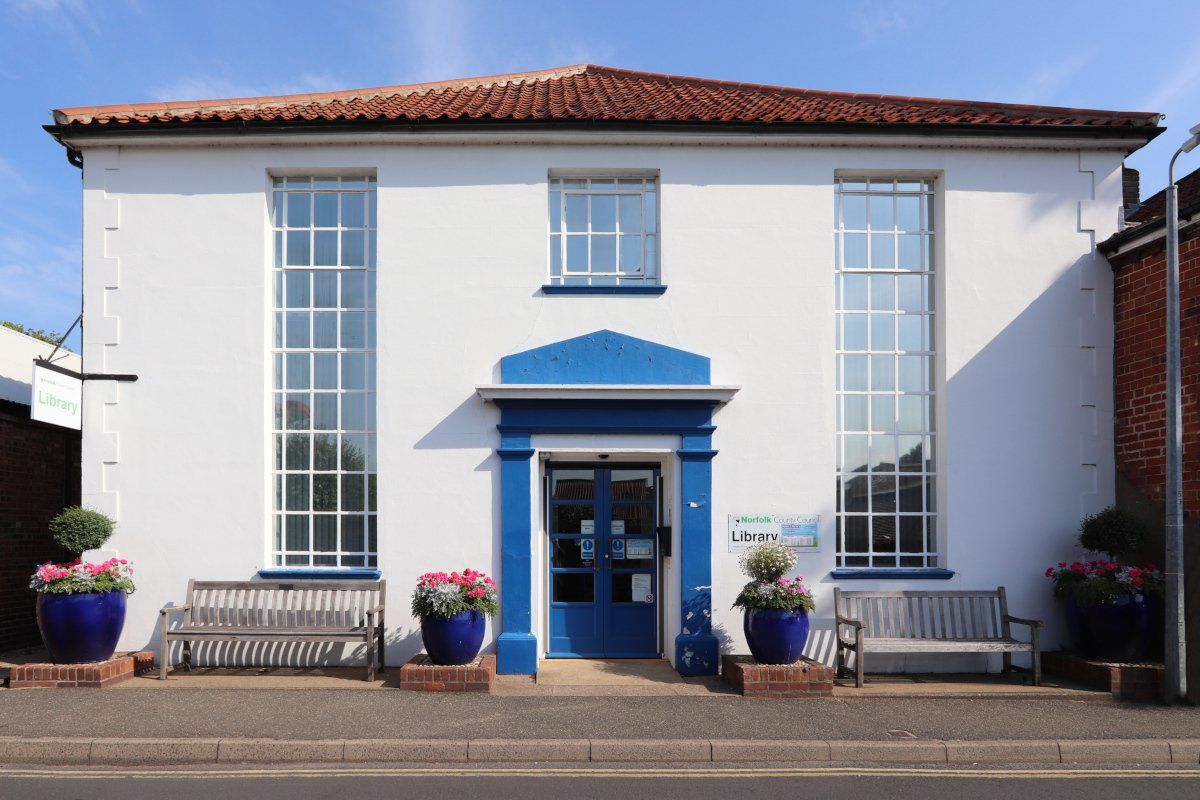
(587, 526)
(639, 548)
(643, 590)
(618, 526)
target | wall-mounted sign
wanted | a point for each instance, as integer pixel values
(642, 589)
(57, 398)
(801, 532)
(639, 548)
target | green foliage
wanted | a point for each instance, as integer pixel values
(51, 337)
(781, 593)
(1113, 532)
(78, 529)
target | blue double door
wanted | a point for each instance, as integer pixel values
(602, 523)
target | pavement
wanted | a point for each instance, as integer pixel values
(326, 713)
(585, 713)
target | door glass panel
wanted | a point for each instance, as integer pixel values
(632, 484)
(574, 587)
(568, 554)
(622, 587)
(574, 484)
(572, 518)
(633, 519)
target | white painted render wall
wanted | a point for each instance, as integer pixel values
(17, 352)
(176, 277)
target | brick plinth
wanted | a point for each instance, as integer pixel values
(97, 674)
(422, 675)
(1140, 683)
(804, 678)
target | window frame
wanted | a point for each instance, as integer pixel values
(863, 349)
(336, 313)
(561, 279)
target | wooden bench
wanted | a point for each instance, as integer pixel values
(277, 611)
(929, 622)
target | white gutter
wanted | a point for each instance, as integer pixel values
(1159, 232)
(491, 138)
(605, 391)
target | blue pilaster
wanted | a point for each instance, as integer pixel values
(696, 648)
(516, 647)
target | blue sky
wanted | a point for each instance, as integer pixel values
(55, 53)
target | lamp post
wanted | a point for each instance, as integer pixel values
(1175, 646)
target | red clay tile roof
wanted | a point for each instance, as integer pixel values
(1155, 206)
(589, 93)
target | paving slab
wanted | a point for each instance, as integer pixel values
(406, 750)
(785, 751)
(1185, 751)
(44, 750)
(277, 751)
(907, 751)
(340, 714)
(1116, 751)
(528, 750)
(1007, 751)
(642, 750)
(153, 751)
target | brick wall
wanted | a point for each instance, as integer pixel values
(39, 476)
(1139, 307)
(1140, 325)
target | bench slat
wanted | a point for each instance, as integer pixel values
(938, 646)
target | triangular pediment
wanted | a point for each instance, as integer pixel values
(605, 357)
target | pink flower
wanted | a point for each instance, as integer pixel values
(475, 593)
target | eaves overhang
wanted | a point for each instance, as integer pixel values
(1131, 239)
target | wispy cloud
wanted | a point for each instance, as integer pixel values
(1047, 81)
(40, 276)
(198, 87)
(875, 19)
(441, 43)
(1182, 82)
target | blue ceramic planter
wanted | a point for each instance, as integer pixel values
(1120, 631)
(775, 636)
(82, 627)
(455, 639)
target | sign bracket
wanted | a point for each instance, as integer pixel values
(86, 376)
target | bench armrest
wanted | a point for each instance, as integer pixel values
(1033, 623)
(375, 617)
(858, 626)
(165, 610)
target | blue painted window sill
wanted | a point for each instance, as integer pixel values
(320, 574)
(876, 574)
(558, 288)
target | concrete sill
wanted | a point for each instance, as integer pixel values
(878, 574)
(558, 288)
(319, 574)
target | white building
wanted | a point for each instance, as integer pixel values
(593, 305)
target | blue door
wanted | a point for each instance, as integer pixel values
(603, 522)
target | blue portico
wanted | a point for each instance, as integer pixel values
(604, 383)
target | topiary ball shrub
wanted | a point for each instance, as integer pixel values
(1112, 531)
(78, 529)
